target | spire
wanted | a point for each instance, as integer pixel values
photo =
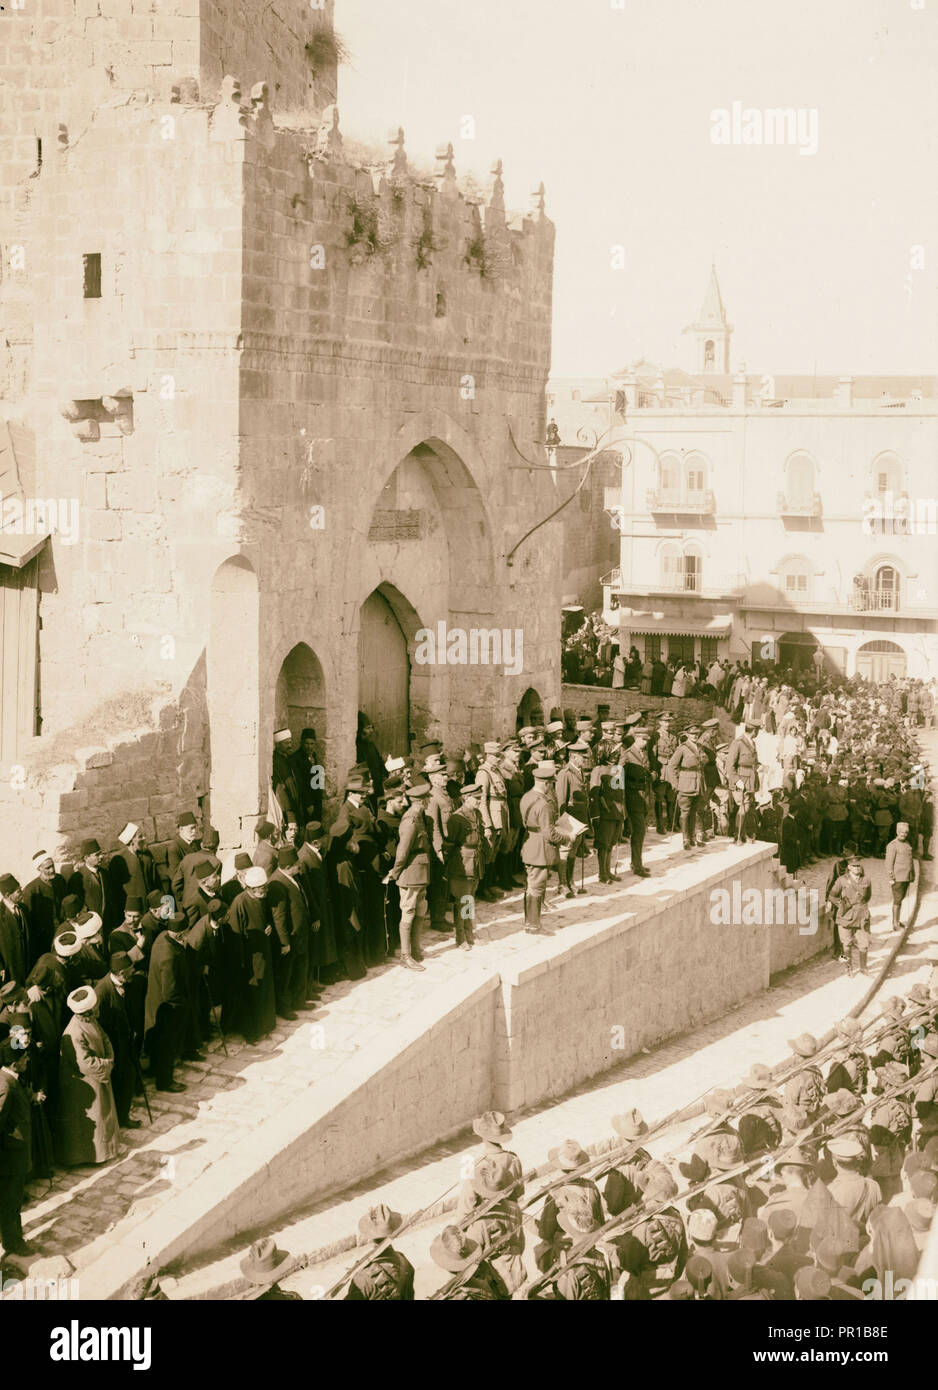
(712, 311)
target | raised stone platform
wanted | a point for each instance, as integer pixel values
(387, 1068)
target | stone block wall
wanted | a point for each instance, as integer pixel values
(650, 975)
(586, 699)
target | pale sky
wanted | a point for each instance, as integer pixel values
(611, 108)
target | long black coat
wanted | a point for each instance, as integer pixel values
(131, 876)
(90, 887)
(14, 944)
(323, 949)
(167, 978)
(114, 1019)
(42, 904)
(251, 922)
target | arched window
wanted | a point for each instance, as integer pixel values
(710, 353)
(693, 568)
(681, 569)
(669, 477)
(886, 588)
(695, 476)
(887, 475)
(799, 479)
(796, 578)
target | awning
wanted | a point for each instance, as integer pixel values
(644, 624)
(17, 551)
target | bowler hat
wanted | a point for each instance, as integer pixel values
(89, 847)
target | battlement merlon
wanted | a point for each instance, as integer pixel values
(213, 220)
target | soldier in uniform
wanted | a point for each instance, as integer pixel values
(573, 800)
(686, 774)
(542, 840)
(568, 1157)
(500, 1229)
(664, 748)
(457, 1254)
(262, 1266)
(440, 806)
(389, 1275)
(607, 811)
(587, 1275)
(494, 809)
(510, 767)
(411, 873)
(636, 776)
(741, 768)
(464, 862)
(850, 896)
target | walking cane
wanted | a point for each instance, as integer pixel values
(221, 1031)
(47, 1141)
(143, 1087)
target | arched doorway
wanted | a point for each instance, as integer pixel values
(384, 675)
(300, 700)
(233, 698)
(878, 661)
(796, 649)
(530, 710)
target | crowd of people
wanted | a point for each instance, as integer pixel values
(127, 961)
(815, 1182)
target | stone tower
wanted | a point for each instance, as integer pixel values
(287, 396)
(711, 332)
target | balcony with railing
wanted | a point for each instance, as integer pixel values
(874, 600)
(798, 504)
(664, 501)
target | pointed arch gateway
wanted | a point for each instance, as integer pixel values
(429, 561)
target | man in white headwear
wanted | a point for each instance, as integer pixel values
(87, 1128)
(41, 902)
(132, 873)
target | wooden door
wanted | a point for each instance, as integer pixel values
(384, 676)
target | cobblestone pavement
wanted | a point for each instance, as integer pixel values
(808, 999)
(229, 1096)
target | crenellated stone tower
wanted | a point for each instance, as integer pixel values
(290, 395)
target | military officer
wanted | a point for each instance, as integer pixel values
(636, 776)
(411, 872)
(464, 864)
(686, 773)
(440, 806)
(573, 800)
(665, 745)
(495, 816)
(541, 846)
(607, 811)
